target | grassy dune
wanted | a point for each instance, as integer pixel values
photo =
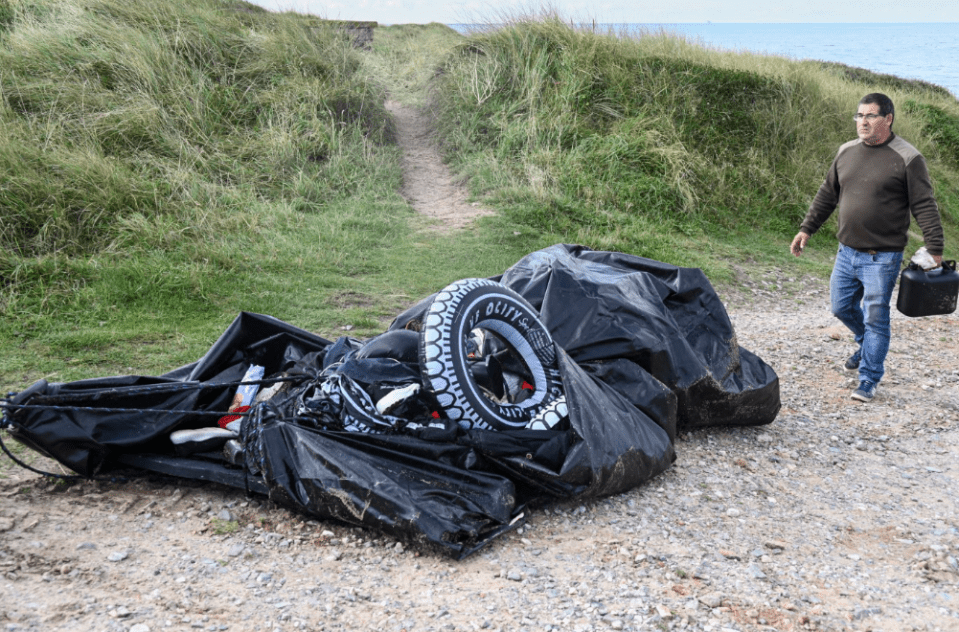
(653, 145)
(167, 164)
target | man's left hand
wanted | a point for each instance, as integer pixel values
(938, 259)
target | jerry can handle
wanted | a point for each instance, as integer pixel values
(946, 265)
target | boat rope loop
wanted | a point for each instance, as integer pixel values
(54, 402)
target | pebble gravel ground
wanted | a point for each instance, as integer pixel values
(837, 516)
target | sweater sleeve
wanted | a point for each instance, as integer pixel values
(823, 205)
(923, 205)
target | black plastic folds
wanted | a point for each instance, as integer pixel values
(601, 306)
(643, 349)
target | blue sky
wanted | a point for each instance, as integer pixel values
(632, 11)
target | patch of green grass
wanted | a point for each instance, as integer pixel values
(941, 126)
(6, 15)
(868, 78)
(122, 119)
(406, 57)
(223, 527)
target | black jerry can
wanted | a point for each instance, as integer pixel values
(931, 293)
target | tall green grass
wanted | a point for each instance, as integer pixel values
(167, 164)
(120, 118)
(655, 145)
(406, 58)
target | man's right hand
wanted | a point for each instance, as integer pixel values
(799, 243)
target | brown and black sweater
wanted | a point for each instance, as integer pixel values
(875, 187)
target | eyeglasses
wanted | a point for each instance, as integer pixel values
(869, 117)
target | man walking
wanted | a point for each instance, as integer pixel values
(875, 181)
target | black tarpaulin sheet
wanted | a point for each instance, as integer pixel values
(643, 348)
(71, 427)
(667, 319)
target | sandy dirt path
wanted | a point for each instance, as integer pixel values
(428, 184)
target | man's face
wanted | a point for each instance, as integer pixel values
(873, 130)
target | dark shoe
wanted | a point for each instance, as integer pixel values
(865, 392)
(852, 363)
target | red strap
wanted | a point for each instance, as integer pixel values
(223, 421)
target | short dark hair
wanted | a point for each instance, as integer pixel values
(884, 103)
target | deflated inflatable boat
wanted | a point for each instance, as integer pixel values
(568, 376)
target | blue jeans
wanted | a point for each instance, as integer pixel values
(860, 290)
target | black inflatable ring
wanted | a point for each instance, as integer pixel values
(483, 304)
